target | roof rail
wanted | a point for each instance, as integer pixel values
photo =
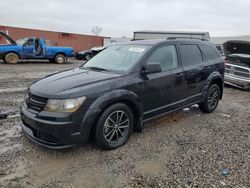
(174, 38)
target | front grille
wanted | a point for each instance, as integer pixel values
(35, 103)
(237, 71)
(241, 70)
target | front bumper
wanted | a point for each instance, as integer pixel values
(57, 133)
(237, 82)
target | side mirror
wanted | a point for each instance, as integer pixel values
(151, 68)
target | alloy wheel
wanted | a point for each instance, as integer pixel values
(116, 127)
(213, 98)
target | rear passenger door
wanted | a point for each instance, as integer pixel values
(193, 65)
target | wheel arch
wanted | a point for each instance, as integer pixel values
(15, 52)
(59, 53)
(119, 96)
(214, 78)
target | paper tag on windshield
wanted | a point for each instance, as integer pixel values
(135, 49)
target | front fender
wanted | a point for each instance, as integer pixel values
(115, 96)
(107, 99)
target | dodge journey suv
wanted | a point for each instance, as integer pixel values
(115, 92)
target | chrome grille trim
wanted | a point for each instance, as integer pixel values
(237, 71)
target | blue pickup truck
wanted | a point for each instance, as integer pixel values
(32, 48)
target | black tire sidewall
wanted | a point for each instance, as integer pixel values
(99, 137)
(207, 108)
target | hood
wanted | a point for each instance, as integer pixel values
(236, 47)
(83, 51)
(8, 38)
(100, 48)
(69, 83)
(237, 52)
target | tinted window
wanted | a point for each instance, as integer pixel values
(209, 52)
(190, 54)
(166, 56)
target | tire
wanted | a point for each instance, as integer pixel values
(211, 99)
(112, 132)
(60, 59)
(87, 57)
(11, 58)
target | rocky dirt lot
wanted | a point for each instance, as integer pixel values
(184, 149)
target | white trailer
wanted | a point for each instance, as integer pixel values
(145, 35)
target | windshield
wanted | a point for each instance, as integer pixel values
(118, 58)
(21, 42)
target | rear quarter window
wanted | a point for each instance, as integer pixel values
(209, 52)
(190, 54)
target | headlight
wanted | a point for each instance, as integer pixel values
(64, 105)
(80, 52)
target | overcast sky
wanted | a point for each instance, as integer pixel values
(121, 17)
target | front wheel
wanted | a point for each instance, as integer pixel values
(211, 99)
(114, 127)
(11, 58)
(60, 58)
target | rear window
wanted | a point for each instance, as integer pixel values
(209, 52)
(190, 54)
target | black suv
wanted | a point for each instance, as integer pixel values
(116, 91)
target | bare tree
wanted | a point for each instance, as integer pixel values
(96, 30)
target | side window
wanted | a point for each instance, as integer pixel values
(166, 56)
(30, 42)
(209, 52)
(190, 54)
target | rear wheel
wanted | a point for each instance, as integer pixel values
(11, 58)
(60, 58)
(114, 126)
(211, 99)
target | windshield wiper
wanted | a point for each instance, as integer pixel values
(97, 68)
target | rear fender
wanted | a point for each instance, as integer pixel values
(213, 77)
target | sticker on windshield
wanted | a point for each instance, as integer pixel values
(136, 49)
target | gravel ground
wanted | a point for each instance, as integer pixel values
(185, 149)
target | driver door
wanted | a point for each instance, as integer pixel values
(162, 90)
(29, 48)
